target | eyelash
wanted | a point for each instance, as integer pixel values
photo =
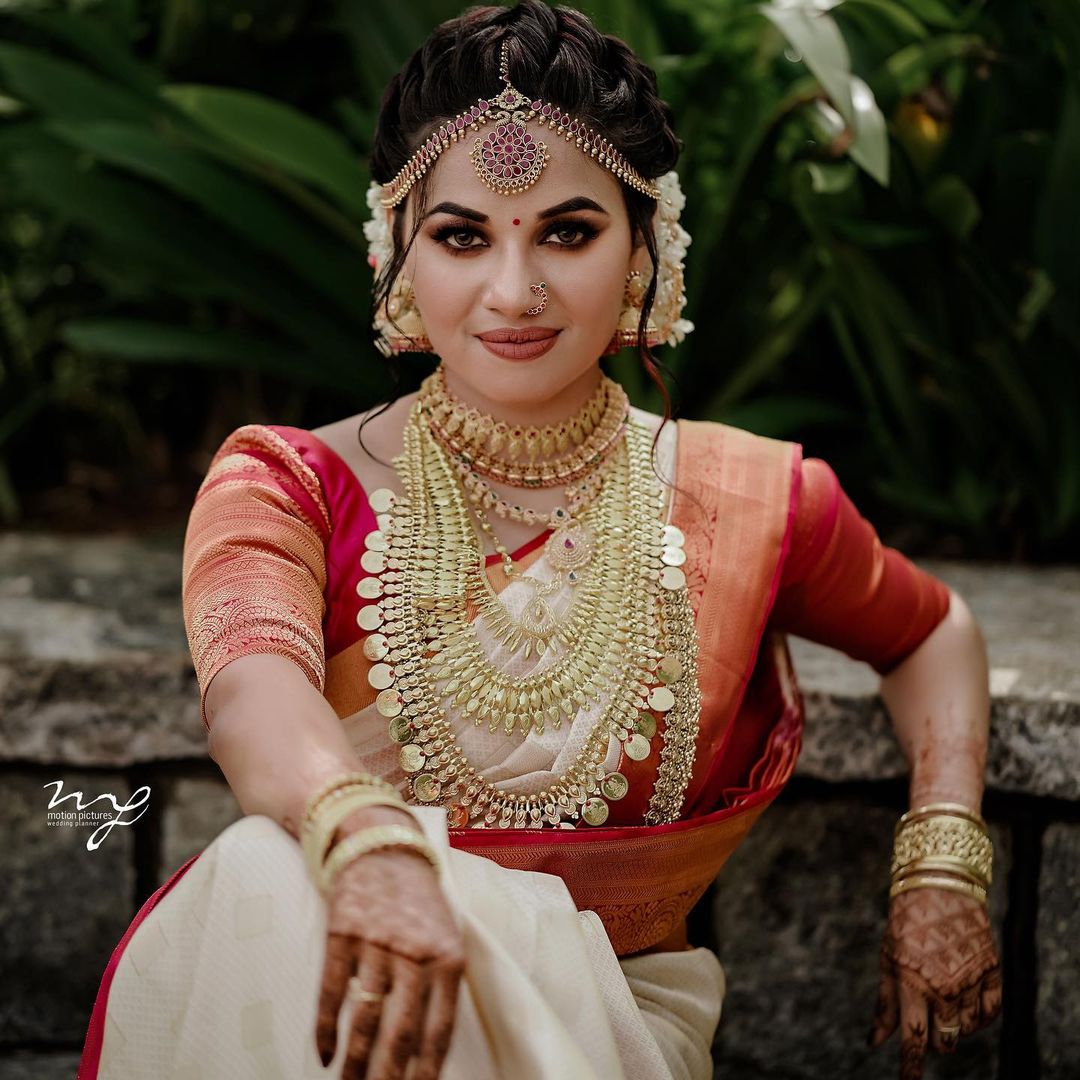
(457, 229)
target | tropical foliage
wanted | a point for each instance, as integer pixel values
(881, 194)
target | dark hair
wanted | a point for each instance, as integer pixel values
(554, 53)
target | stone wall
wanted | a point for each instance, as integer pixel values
(96, 690)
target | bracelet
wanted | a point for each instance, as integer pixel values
(316, 835)
(349, 778)
(950, 809)
(952, 864)
(933, 881)
(379, 836)
(938, 831)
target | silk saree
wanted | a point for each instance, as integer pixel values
(578, 962)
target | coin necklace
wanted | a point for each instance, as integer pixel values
(420, 626)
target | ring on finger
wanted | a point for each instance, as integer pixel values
(356, 992)
(949, 1029)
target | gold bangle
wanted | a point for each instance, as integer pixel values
(379, 836)
(317, 834)
(948, 809)
(952, 864)
(344, 779)
(934, 881)
(944, 836)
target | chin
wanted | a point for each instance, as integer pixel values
(516, 382)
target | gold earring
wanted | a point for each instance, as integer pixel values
(626, 331)
(400, 327)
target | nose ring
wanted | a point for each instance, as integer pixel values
(539, 289)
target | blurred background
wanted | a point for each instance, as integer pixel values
(884, 200)
(882, 197)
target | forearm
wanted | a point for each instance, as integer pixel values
(939, 702)
(276, 739)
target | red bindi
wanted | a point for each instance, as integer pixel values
(517, 221)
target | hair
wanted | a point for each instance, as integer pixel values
(554, 53)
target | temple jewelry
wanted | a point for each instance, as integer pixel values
(539, 289)
(508, 160)
(624, 657)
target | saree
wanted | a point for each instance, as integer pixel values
(577, 962)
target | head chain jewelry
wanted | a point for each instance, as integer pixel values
(508, 160)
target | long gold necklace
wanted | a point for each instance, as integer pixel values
(639, 653)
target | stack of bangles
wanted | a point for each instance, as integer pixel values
(942, 846)
(325, 810)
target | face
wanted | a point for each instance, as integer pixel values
(478, 252)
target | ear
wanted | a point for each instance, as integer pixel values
(639, 257)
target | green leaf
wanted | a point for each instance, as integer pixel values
(953, 203)
(65, 90)
(144, 341)
(279, 135)
(245, 209)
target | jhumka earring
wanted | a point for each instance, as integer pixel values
(626, 332)
(400, 327)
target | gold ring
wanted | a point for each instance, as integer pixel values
(357, 993)
(950, 1030)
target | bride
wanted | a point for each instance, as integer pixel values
(498, 673)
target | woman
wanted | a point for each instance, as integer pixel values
(603, 594)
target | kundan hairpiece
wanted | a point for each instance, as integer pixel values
(508, 160)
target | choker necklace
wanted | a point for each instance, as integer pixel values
(470, 443)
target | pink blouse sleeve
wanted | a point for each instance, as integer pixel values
(842, 587)
(254, 569)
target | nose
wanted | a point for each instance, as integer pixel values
(509, 293)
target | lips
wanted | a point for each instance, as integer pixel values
(516, 335)
(513, 343)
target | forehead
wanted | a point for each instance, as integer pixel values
(568, 172)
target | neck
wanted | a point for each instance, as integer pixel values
(531, 412)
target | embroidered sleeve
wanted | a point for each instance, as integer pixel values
(842, 587)
(254, 569)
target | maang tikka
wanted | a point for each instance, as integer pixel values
(509, 161)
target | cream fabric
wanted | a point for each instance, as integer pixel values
(221, 980)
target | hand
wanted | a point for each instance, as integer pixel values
(388, 921)
(939, 968)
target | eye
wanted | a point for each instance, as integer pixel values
(457, 237)
(566, 231)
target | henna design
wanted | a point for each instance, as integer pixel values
(913, 1052)
(940, 945)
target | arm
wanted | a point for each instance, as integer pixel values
(939, 702)
(276, 739)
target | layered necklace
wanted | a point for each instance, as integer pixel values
(624, 649)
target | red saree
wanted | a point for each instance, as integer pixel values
(774, 546)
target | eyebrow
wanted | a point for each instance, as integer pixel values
(578, 202)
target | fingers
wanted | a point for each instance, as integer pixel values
(913, 1032)
(403, 1012)
(439, 1024)
(337, 967)
(946, 1026)
(887, 1010)
(375, 975)
(971, 1009)
(991, 996)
